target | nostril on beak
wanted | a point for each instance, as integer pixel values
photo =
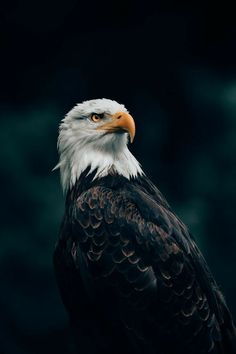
(119, 116)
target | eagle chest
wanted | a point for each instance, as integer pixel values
(107, 254)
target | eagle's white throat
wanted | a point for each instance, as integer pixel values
(81, 146)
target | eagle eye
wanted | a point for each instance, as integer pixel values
(96, 117)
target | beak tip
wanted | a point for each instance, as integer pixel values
(131, 138)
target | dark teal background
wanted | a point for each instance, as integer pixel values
(173, 66)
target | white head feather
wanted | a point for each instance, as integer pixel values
(82, 145)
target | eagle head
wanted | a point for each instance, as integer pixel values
(94, 134)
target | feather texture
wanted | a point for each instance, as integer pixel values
(127, 262)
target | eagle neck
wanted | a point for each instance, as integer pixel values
(98, 164)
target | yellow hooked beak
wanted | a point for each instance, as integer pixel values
(121, 122)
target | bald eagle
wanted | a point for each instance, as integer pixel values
(130, 274)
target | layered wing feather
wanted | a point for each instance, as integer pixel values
(146, 273)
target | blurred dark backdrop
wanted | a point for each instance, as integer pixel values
(173, 65)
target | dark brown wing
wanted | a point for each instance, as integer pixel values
(149, 273)
(92, 332)
(72, 290)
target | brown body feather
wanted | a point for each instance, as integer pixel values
(130, 273)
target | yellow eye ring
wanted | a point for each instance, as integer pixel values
(96, 118)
